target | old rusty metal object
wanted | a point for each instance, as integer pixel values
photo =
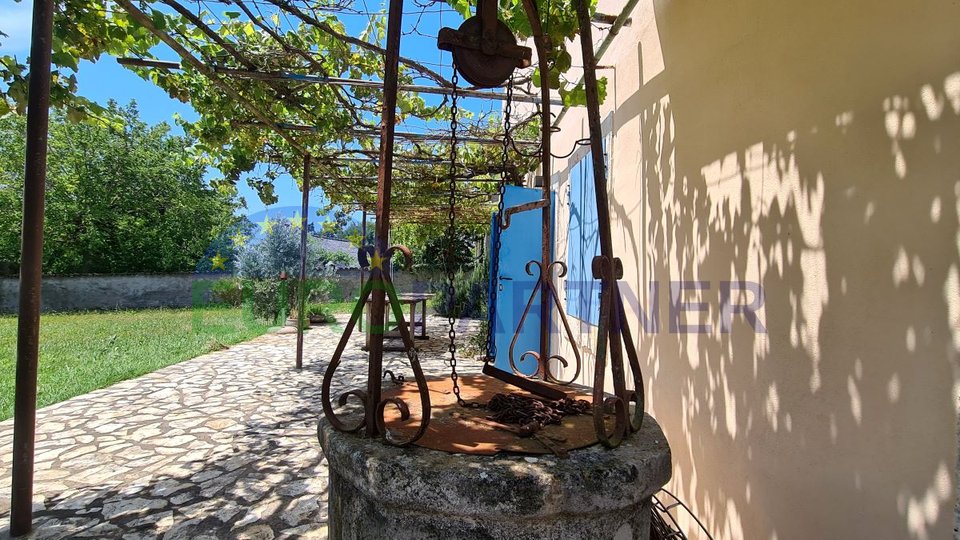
(544, 371)
(551, 443)
(375, 408)
(523, 383)
(468, 430)
(394, 378)
(532, 413)
(526, 207)
(522, 431)
(613, 327)
(485, 51)
(380, 286)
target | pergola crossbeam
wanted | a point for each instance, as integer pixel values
(410, 136)
(416, 180)
(335, 81)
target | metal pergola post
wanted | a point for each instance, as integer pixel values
(302, 289)
(363, 243)
(406, 135)
(546, 221)
(384, 189)
(31, 270)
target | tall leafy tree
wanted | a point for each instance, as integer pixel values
(125, 198)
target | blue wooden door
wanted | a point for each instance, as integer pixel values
(519, 244)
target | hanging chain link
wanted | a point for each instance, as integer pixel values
(491, 343)
(451, 237)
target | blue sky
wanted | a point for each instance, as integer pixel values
(106, 80)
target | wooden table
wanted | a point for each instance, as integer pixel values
(411, 299)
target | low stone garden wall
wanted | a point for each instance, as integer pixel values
(138, 291)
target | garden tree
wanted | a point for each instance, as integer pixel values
(118, 200)
(336, 222)
(278, 250)
(353, 233)
(429, 244)
(222, 254)
(298, 37)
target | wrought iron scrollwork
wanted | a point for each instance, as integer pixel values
(544, 371)
(379, 277)
(615, 331)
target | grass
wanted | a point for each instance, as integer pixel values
(340, 307)
(81, 352)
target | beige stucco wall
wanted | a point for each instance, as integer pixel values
(814, 148)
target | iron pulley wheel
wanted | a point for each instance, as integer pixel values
(482, 69)
(485, 51)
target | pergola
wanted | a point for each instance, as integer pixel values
(343, 171)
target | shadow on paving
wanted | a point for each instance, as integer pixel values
(257, 491)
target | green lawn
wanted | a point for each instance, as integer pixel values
(341, 307)
(80, 352)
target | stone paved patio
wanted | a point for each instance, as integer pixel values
(221, 446)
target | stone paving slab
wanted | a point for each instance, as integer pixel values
(221, 446)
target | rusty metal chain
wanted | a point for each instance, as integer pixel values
(534, 413)
(451, 237)
(490, 353)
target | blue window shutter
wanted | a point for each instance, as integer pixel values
(583, 292)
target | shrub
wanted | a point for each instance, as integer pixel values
(321, 259)
(228, 291)
(273, 299)
(470, 298)
(318, 313)
(270, 300)
(477, 344)
(320, 289)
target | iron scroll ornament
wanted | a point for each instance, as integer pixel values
(614, 329)
(545, 279)
(378, 277)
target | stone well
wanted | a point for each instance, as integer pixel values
(383, 492)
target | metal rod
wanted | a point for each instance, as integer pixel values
(546, 132)
(333, 81)
(419, 137)
(384, 189)
(430, 137)
(609, 325)
(426, 179)
(525, 207)
(31, 270)
(605, 18)
(623, 19)
(363, 243)
(302, 289)
(373, 160)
